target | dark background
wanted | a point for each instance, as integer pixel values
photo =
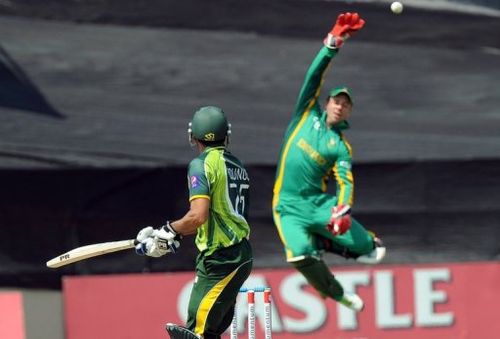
(95, 97)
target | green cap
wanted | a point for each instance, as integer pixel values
(209, 124)
(341, 90)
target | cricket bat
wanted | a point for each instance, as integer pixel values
(89, 251)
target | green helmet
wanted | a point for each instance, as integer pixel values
(209, 124)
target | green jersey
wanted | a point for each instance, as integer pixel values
(312, 152)
(219, 176)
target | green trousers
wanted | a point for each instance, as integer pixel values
(302, 225)
(219, 277)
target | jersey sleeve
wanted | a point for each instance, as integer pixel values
(345, 181)
(309, 93)
(198, 180)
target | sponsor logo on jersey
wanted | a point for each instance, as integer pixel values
(195, 182)
(316, 124)
(309, 150)
(345, 164)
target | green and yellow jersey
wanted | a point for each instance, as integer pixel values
(312, 152)
(219, 176)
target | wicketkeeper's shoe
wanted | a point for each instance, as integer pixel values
(375, 256)
(352, 301)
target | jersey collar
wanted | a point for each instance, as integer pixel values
(210, 148)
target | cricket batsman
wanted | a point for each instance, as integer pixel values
(308, 219)
(219, 199)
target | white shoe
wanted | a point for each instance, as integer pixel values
(352, 301)
(375, 256)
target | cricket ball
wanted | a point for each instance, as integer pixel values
(397, 7)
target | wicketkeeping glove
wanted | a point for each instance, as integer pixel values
(346, 25)
(340, 221)
(157, 242)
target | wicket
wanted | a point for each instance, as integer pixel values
(251, 313)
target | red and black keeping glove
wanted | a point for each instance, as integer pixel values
(346, 25)
(340, 221)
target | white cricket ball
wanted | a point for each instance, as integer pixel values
(397, 7)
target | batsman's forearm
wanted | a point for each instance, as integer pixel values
(188, 224)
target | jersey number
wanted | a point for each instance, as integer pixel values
(239, 200)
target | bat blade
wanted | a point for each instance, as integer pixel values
(89, 251)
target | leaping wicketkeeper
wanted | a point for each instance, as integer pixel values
(314, 149)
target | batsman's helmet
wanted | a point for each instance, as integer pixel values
(209, 124)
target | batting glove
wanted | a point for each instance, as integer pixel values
(157, 242)
(170, 236)
(340, 221)
(346, 25)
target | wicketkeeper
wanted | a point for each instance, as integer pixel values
(314, 149)
(219, 199)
